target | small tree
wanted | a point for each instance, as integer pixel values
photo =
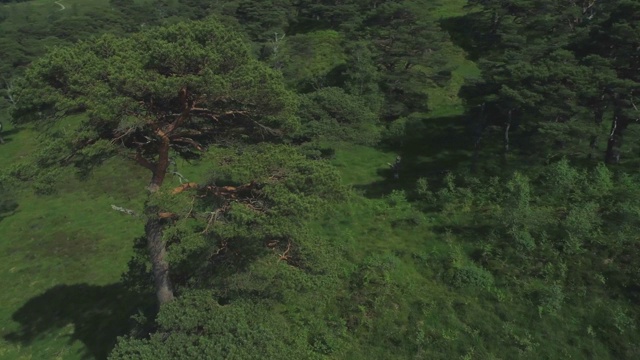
(174, 89)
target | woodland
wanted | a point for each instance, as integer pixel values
(319, 179)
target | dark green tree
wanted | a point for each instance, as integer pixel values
(616, 38)
(406, 44)
(253, 259)
(173, 90)
(262, 20)
(540, 71)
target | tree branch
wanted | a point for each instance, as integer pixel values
(268, 129)
(126, 211)
(182, 178)
(9, 91)
(144, 162)
(188, 141)
(184, 187)
(188, 105)
(215, 116)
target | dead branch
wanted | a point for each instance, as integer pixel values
(9, 90)
(184, 187)
(126, 211)
(188, 141)
(588, 6)
(193, 200)
(284, 256)
(213, 218)
(167, 215)
(129, 131)
(220, 249)
(216, 116)
(268, 129)
(182, 178)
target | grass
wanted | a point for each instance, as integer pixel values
(62, 255)
(68, 248)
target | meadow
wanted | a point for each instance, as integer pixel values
(63, 254)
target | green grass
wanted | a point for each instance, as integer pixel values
(73, 239)
(62, 255)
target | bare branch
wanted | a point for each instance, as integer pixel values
(268, 129)
(184, 187)
(126, 211)
(188, 141)
(182, 178)
(9, 90)
(212, 220)
(129, 131)
(216, 116)
(285, 255)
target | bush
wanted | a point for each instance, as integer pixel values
(470, 275)
(332, 114)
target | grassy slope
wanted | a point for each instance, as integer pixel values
(61, 255)
(77, 240)
(467, 323)
(71, 238)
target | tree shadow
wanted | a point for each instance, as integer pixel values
(7, 135)
(469, 33)
(8, 204)
(430, 148)
(99, 315)
(6, 214)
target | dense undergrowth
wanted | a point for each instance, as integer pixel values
(319, 252)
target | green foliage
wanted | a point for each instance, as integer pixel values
(196, 325)
(262, 20)
(273, 255)
(238, 252)
(125, 82)
(396, 132)
(546, 71)
(558, 226)
(308, 60)
(331, 114)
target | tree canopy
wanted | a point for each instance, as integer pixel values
(320, 179)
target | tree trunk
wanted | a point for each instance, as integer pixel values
(614, 143)
(153, 229)
(507, 127)
(505, 139)
(160, 168)
(157, 254)
(593, 141)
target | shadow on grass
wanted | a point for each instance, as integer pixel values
(430, 148)
(6, 214)
(98, 313)
(469, 32)
(7, 135)
(8, 204)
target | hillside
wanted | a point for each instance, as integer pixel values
(186, 179)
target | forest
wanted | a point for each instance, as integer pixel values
(319, 179)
